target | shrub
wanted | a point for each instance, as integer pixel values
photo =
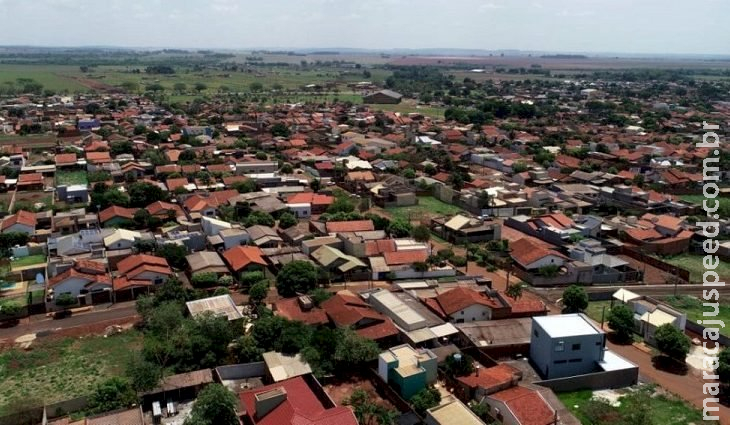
(65, 300)
(204, 280)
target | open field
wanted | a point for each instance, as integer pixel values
(27, 200)
(724, 210)
(62, 369)
(693, 263)
(428, 206)
(28, 261)
(595, 310)
(662, 408)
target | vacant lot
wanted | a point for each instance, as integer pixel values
(693, 263)
(662, 408)
(724, 210)
(595, 310)
(62, 369)
(53, 77)
(427, 207)
(68, 178)
(408, 106)
(28, 261)
(693, 307)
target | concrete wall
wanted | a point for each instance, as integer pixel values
(594, 381)
(241, 371)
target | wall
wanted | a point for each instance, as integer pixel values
(241, 371)
(55, 410)
(544, 355)
(472, 313)
(594, 381)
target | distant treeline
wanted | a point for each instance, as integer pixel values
(116, 58)
(564, 56)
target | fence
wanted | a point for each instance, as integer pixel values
(388, 392)
(593, 381)
(699, 330)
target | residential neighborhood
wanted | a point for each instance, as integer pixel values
(530, 255)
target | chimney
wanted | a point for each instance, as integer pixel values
(269, 400)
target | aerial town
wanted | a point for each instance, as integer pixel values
(284, 238)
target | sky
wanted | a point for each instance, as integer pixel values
(622, 26)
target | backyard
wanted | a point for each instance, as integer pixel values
(28, 261)
(662, 408)
(693, 263)
(62, 369)
(427, 207)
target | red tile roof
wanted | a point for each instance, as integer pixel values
(301, 406)
(98, 157)
(310, 198)
(116, 211)
(292, 310)
(73, 273)
(173, 184)
(65, 159)
(525, 252)
(345, 310)
(349, 226)
(122, 283)
(160, 208)
(405, 257)
(26, 218)
(240, 257)
(528, 406)
(491, 377)
(460, 298)
(373, 248)
(30, 179)
(131, 263)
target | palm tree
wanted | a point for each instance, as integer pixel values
(514, 291)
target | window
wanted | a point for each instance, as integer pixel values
(576, 347)
(535, 333)
(462, 312)
(575, 360)
(560, 346)
(559, 362)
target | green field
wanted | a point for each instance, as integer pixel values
(724, 210)
(407, 107)
(662, 409)
(428, 206)
(595, 310)
(62, 369)
(53, 77)
(71, 177)
(693, 263)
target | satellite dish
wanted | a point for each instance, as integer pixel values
(39, 278)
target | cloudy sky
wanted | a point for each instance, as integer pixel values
(631, 26)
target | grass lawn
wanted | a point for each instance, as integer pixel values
(428, 206)
(68, 178)
(663, 409)
(693, 307)
(28, 261)
(693, 263)
(62, 369)
(595, 309)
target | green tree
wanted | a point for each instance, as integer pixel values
(215, 405)
(399, 228)
(141, 194)
(143, 375)
(286, 169)
(244, 186)
(369, 413)
(462, 366)
(200, 87)
(66, 300)
(723, 369)
(672, 342)
(174, 254)
(421, 233)
(258, 292)
(575, 299)
(259, 217)
(112, 394)
(425, 399)
(514, 291)
(256, 87)
(246, 350)
(353, 351)
(287, 220)
(180, 87)
(296, 277)
(320, 295)
(280, 130)
(10, 308)
(621, 320)
(204, 280)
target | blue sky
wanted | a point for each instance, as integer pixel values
(631, 26)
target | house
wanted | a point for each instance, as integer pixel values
(22, 222)
(345, 309)
(319, 203)
(116, 216)
(65, 160)
(144, 267)
(285, 366)
(219, 306)
(244, 258)
(132, 416)
(264, 236)
(297, 401)
(349, 226)
(31, 181)
(337, 262)
(301, 309)
(532, 256)
(650, 314)
(165, 210)
(383, 96)
(462, 304)
(520, 405)
(408, 370)
(460, 228)
(206, 262)
(566, 345)
(73, 194)
(451, 411)
(76, 283)
(484, 381)
(122, 239)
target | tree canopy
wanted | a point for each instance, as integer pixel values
(621, 320)
(296, 277)
(672, 342)
(215, 405)
(575, 299)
